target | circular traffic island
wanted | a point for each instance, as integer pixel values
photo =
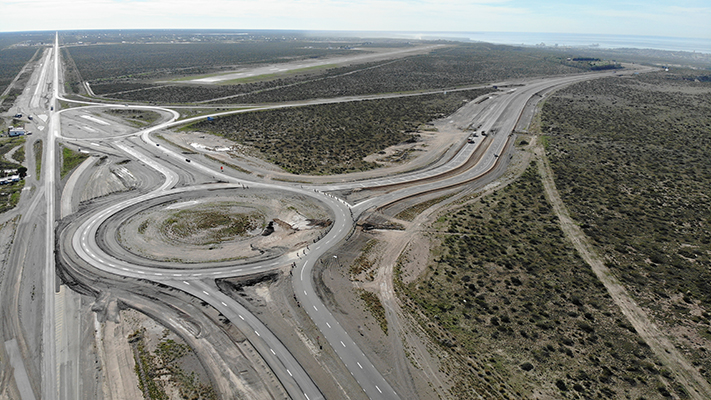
(207, 224)
(226, 225)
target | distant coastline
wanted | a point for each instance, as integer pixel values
(572, 40)
(575, 40)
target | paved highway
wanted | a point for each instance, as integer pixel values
(50, 386)
(375, 386)
(498, 117)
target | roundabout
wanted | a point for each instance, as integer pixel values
(185, 237)
(226, 225)
(228, 230)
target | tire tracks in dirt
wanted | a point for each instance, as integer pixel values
(688, 376)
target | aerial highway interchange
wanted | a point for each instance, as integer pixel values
(82, 242)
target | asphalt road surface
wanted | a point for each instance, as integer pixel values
(498, 116)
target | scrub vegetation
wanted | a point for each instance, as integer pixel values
(70, 160)
(137, 118)
(208, 225)
(364, 264)
(520, 313)
(6, 145)
(373, 304)
(105, 63)
(11, 62)
(334, 138)
(37, 149)
(632, 160)
(456, 65)
(161, 368)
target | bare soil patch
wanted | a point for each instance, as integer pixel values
(233, 227)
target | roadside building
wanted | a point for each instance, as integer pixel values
(16, 131)
(10, 179)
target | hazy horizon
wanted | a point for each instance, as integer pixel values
(549, 39)
(684, 18)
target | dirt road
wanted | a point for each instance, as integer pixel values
(696, 386)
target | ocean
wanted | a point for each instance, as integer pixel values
(576, 40)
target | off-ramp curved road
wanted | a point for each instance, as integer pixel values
(83, 236)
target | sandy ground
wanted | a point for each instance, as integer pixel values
(109, 178)
(273, 301)
(145, 233)
(118, 357)
(8, 388)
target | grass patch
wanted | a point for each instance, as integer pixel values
(410, 213)
(37, 148)
(545, 141)
(363, 263)
(137, 118)
(10, 195)
(19, 154)
(6, 145)
(373, 304)
(70, 160)
(211, 225)
(161, 367)
(143, 226)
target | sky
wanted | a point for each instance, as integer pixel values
(675, 18)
